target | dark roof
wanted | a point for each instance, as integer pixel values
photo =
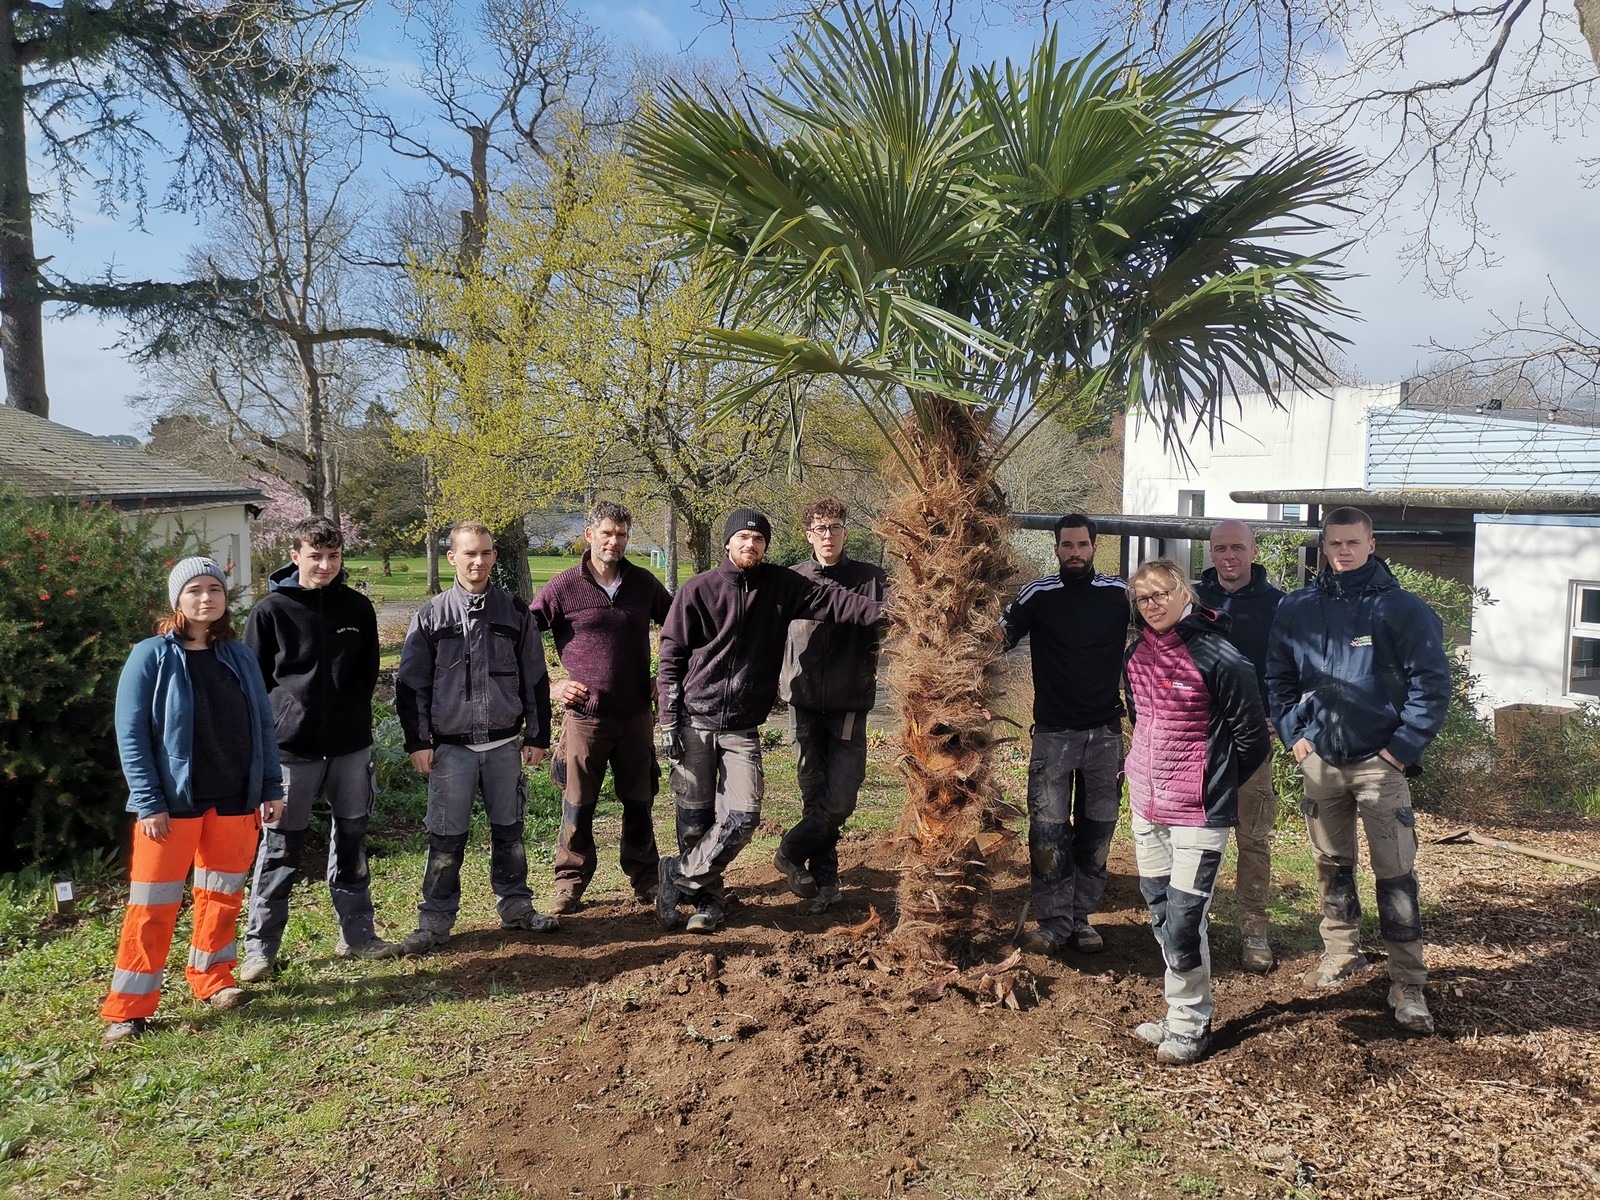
(38, 457)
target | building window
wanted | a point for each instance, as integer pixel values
(1293, 512)
(1583, 659)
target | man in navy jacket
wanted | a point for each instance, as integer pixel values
(1358, 683)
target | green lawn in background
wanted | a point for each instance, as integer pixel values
(408, 577)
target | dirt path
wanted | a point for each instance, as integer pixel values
(776, 1060)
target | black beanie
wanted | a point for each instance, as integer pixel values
(752, 519)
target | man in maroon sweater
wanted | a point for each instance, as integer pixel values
(599, 615)
(721, 650)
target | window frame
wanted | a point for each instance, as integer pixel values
(1576, 629)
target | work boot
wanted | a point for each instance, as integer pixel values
(1180, 1050)
(531, 921)
(373, 947)
(801, 882)
(123, 1031)
(1151, 1033)
(708, 917)
(1040, 940)
(565, 901)
(1086, 939)
(1256, 955)
(1334, 969)
(645, 895)
(667, 895)
(228, 998)
(256, 967)
(828, 896)
(423, 941)
(1410, 1007)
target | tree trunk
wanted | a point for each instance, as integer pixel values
(702, 546)
(385, 555)
(21, 294)
(433, 557)
(316, 438)
(947, 538)
(512, 559)
(671, 549)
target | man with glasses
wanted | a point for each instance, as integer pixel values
(830, 682)
(1077, 625)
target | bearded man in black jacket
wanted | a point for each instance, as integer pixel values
(317, 642)
(721, 650)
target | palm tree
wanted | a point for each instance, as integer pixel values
(959, 248)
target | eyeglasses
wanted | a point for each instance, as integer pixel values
(1153, 598)
(833, 530)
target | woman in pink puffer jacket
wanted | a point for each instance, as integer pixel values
(1198, 729)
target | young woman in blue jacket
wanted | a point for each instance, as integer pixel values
(195, 732)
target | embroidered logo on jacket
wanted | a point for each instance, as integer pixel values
(1363, 640)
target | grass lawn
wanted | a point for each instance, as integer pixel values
(335, 1061)
(408, 577)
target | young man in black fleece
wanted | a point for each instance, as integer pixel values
(830, 682)
(721, 650)
(317, 642)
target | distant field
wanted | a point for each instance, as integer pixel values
(408, 577)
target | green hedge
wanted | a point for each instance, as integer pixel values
(79, 584)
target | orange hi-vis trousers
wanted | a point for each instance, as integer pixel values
(221, 849)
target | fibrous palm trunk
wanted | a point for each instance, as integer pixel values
(947, 535)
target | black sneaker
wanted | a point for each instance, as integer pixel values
(801, 882)
(667, 895)
(423, 941)
(708, 917)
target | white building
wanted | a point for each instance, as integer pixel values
(1506, 500)
(38, 457)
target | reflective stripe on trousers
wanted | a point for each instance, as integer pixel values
(220, 850)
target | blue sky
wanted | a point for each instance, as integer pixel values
(1541, 216)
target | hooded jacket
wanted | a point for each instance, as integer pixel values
(723, 643)
(155, 727)
(829, 667)
(1198, 723)
(1078, 632)
(318, 653)
(1356, 664)
(472, 671)
(1251, 610)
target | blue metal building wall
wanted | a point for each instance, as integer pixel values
(1414, 448)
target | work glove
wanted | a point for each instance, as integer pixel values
(671, 742)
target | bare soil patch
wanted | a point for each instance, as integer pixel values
(780, 1058)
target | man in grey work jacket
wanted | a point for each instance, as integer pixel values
(830, 682)
(474, 702)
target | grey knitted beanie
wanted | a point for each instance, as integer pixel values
(193, 568)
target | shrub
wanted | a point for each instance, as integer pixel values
(78, 585)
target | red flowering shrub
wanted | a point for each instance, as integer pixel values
(79, 584)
